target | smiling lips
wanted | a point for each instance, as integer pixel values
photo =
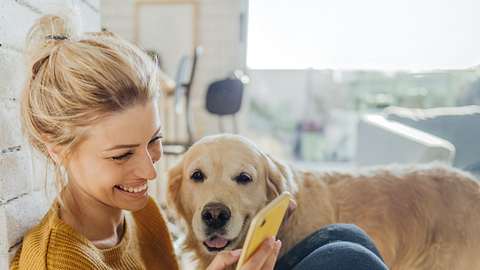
(136, 189)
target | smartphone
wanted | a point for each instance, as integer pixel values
(264, 225)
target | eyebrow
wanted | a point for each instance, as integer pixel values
(121, 146)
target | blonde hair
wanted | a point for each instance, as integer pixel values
(76, 79)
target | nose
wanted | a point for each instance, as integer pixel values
(215, 215)
(145, 167)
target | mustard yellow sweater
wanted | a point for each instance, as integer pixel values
(52, 244)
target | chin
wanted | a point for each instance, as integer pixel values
(138, 205)
(133, 206)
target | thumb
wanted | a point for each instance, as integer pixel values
(291, 208)
(224, 259)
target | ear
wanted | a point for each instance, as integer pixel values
(279, 178)
(175, 175)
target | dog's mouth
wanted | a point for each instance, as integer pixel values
(217, 243)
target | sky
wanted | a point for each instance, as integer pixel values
(368, 34)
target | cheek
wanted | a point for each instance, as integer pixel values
(97, 173)
(111, 174)
(254, 197)
(186, 200)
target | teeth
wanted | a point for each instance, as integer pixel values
(133, 190)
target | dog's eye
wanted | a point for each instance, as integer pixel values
(197, 176)
(243, 178)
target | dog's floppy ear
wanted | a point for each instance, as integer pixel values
(279, 178)
(175, 175)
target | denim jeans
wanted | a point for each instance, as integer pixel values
(334, 247)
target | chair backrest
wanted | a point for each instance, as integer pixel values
(224, 97)
(458, 125)
(196, 55)
(184, 80)
(397, 143)
(182, 76)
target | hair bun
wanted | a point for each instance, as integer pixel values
(44, 35)
(48, 28)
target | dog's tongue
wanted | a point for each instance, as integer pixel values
(216, 242)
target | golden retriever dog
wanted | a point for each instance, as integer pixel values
(419, 218)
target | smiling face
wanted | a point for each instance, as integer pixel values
(115, 161)
(222, 182)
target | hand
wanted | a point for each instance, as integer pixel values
(264, 257)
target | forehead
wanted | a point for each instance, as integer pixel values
(117, 127)
(223, 155)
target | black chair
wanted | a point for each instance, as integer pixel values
(183, 85)
(224, 97)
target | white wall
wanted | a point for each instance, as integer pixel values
(168, 29)
(117, 17)
(22, 198)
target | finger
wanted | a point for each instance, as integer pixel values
(270, 263)
(260, 256)
(292, 205)
(224, 259)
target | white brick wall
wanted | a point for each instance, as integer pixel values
(22, 198)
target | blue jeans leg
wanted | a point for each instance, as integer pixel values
(334, 247)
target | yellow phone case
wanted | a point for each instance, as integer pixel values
(265, 224)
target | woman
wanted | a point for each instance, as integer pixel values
(89, 105)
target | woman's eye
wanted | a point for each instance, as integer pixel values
(197, 176)
(122, 157)
(156, 139)
(243, 178)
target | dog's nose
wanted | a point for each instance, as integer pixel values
(215, 215)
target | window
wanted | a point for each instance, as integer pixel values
(330, 61)
(367, 34)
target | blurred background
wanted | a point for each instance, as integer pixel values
(324, 84)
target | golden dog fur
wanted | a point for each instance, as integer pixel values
(419, 218)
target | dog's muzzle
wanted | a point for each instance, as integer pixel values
(215, 216)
